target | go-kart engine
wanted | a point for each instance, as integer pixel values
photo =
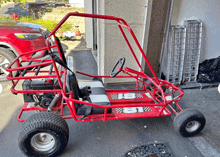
(42, 99)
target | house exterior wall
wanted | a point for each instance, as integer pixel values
(112, 46)
(158, 18)
(88, 25)
(147, 20)
(208, 11)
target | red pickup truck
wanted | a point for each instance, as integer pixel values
(17, 38)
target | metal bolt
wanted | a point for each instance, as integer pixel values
(43, 137)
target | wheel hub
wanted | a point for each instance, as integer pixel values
(43, 142)
(192, 126)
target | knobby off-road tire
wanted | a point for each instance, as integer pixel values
(6, 57)
(44, 134)
(189, 122)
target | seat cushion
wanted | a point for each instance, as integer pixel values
(98, 96)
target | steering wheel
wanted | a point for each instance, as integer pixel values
(121, 63)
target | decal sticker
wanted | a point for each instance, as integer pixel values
(129, 96)
(168, 98)
(148, 95)
(165, 112)
(126, 96)
(133, 110)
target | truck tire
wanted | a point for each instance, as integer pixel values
(44, 134)
(189, 122)
(6, 57)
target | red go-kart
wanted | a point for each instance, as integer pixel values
(56, 89)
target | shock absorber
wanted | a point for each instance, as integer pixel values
(53, 102)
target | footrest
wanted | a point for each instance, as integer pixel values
(98, 96)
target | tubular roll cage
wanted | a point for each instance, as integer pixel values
(156, 91)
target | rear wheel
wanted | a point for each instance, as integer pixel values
(189, 122)
(6, 57)
(44, 134)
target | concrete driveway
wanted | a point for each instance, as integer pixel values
(115, 138)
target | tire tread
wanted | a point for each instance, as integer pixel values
(40, 121)
(188, 114)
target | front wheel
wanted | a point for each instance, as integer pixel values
(44, 134)
(189, 122)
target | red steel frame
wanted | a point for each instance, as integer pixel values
(157, 102)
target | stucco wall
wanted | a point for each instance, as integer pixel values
(112, 45)
(208, 11)
(88, 24)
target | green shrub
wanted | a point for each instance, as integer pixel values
(5, 18)
(49, 24)
(67, 27)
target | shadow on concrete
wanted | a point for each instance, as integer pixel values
(65, 47)
(15, 8)
(82, 45)
(34, 9)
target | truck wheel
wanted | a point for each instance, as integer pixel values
(189, 122)
(44, 134)
(6, 57)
